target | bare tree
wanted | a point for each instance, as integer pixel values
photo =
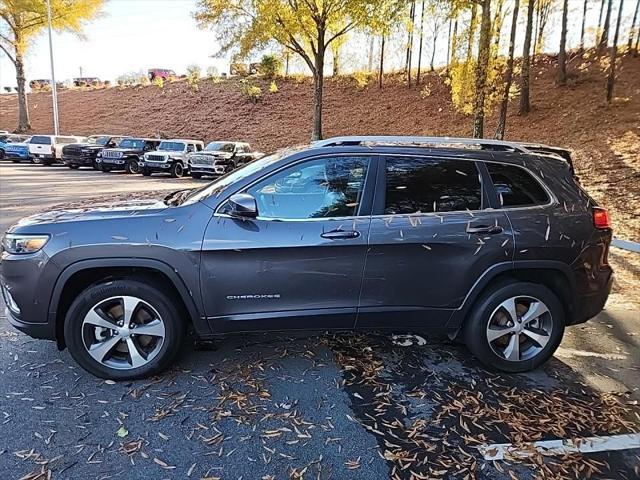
(633, 25)
(584, 21)
(604, 37)
(525, 101)
(561, 72)
(381, 69)
(481, 70)
(421, 41)
(614, 52)
(412, 14)
(504, 105)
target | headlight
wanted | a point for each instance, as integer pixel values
(16, 243)
(99, 154)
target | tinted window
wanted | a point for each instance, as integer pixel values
(426, 185)
(40, 140)
(132, 143)
(515, 186)
(327, 187)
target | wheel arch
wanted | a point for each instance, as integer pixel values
(554, 275)
(80, 275)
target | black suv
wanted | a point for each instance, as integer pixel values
(128, 155)
(491, 242)
(76, 155)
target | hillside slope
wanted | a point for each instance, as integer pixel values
(605, 140)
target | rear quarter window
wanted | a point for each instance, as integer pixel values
(40, 140)
(515, 186)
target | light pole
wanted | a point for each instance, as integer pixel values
(53, 75)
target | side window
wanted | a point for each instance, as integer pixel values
(322, 188)
(189, 148)
(515, 186)
(427, 185)
(198, 147)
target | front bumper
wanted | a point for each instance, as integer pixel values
(44, 331)
(114, 163)
(155, 166)
(74, 160)
(208, 169)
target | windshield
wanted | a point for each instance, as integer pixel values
(171, 147)
(218, 186)
(219, 147)
(132, 143)
(98, 140)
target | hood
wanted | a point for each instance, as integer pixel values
(214, 153)
(122, 150)
(95, 212)
(91, 146)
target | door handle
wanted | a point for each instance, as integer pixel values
(490, 229)
(340, 234)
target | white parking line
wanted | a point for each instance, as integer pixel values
(499, 451)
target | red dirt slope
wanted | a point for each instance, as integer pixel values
(605, 140)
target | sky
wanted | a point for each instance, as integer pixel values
(135, 35)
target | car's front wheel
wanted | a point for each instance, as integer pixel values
(124, 329)
(195, 175)
(177, 170)
(132, 166)
(515, 327)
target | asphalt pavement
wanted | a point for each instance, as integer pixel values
(268, 406)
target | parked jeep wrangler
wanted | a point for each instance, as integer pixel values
(219, 158)
(127, 155)
(78, 155)
(170, 157)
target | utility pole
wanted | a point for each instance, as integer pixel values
(54, 91)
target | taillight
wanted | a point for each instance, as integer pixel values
(601, 218)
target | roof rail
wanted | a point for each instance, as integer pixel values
(482, 143)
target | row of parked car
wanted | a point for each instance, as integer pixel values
(176, 157)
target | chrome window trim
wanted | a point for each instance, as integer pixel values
(371, 156)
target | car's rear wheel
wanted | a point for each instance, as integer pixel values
(74, 166)
(36, 160)
(124, 329)
(146, 172)
(197, 176)
(515, 327)
(132, 166)
(177, 170)
(106, 169)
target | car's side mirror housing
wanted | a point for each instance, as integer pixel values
(243, 205)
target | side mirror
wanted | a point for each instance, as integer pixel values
(243, 205)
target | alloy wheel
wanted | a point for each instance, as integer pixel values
(519, 328)
(123, 332)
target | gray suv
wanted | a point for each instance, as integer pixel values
(492, 242)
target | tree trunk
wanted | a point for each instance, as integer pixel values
(449, 44)
(481, 70)
(318, 85)
(454, 42)
(421, 41)
(536, 30)
(412, 13)
(336, 60)
(633, 25)
(381, 73)
(370, 59)
(23, 109)
(584, 21)
(525, 102)
(504, 105)
(561, 73)
(614, 52)
(286, 64)
(433, 52)
(472, 30)
(604, 38)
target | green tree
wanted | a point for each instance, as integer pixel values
(306, 27)
(23, 20)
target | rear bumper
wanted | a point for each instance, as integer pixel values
(591, 304)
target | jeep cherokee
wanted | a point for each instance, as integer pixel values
(492, 242)
(127, 155)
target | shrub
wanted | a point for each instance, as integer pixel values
(193, 76)
(143, 80)
(252, 92)
(270, 66)
(273, 88)
(426, 91)
(158, 82)
(362, 79)
(212, 72)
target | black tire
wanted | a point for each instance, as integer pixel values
(36, 160)
(231, 166)
(105, 169)
(475, 328)
(1, 154)
(177, 170)
(150, 293)
(197, 176)
(74, 166)
(132, 166)
(146, 172)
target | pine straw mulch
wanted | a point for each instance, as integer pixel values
(472, 409)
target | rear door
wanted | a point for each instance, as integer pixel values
(432, 236)
(299, 264)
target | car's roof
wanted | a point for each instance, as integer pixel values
(181, 140)
(142, 138)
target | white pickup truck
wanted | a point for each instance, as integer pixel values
(47, 149)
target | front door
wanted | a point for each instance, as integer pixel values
(431, 238)
(299, 264)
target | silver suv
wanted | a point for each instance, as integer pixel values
(170, 157)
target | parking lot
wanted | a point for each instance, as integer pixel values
(267, 406)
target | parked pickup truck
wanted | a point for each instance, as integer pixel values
(127, 155)
(16, 152)
(7, 138)
(170, 157)
(76, 155)
(47, 149)
(219, 158)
